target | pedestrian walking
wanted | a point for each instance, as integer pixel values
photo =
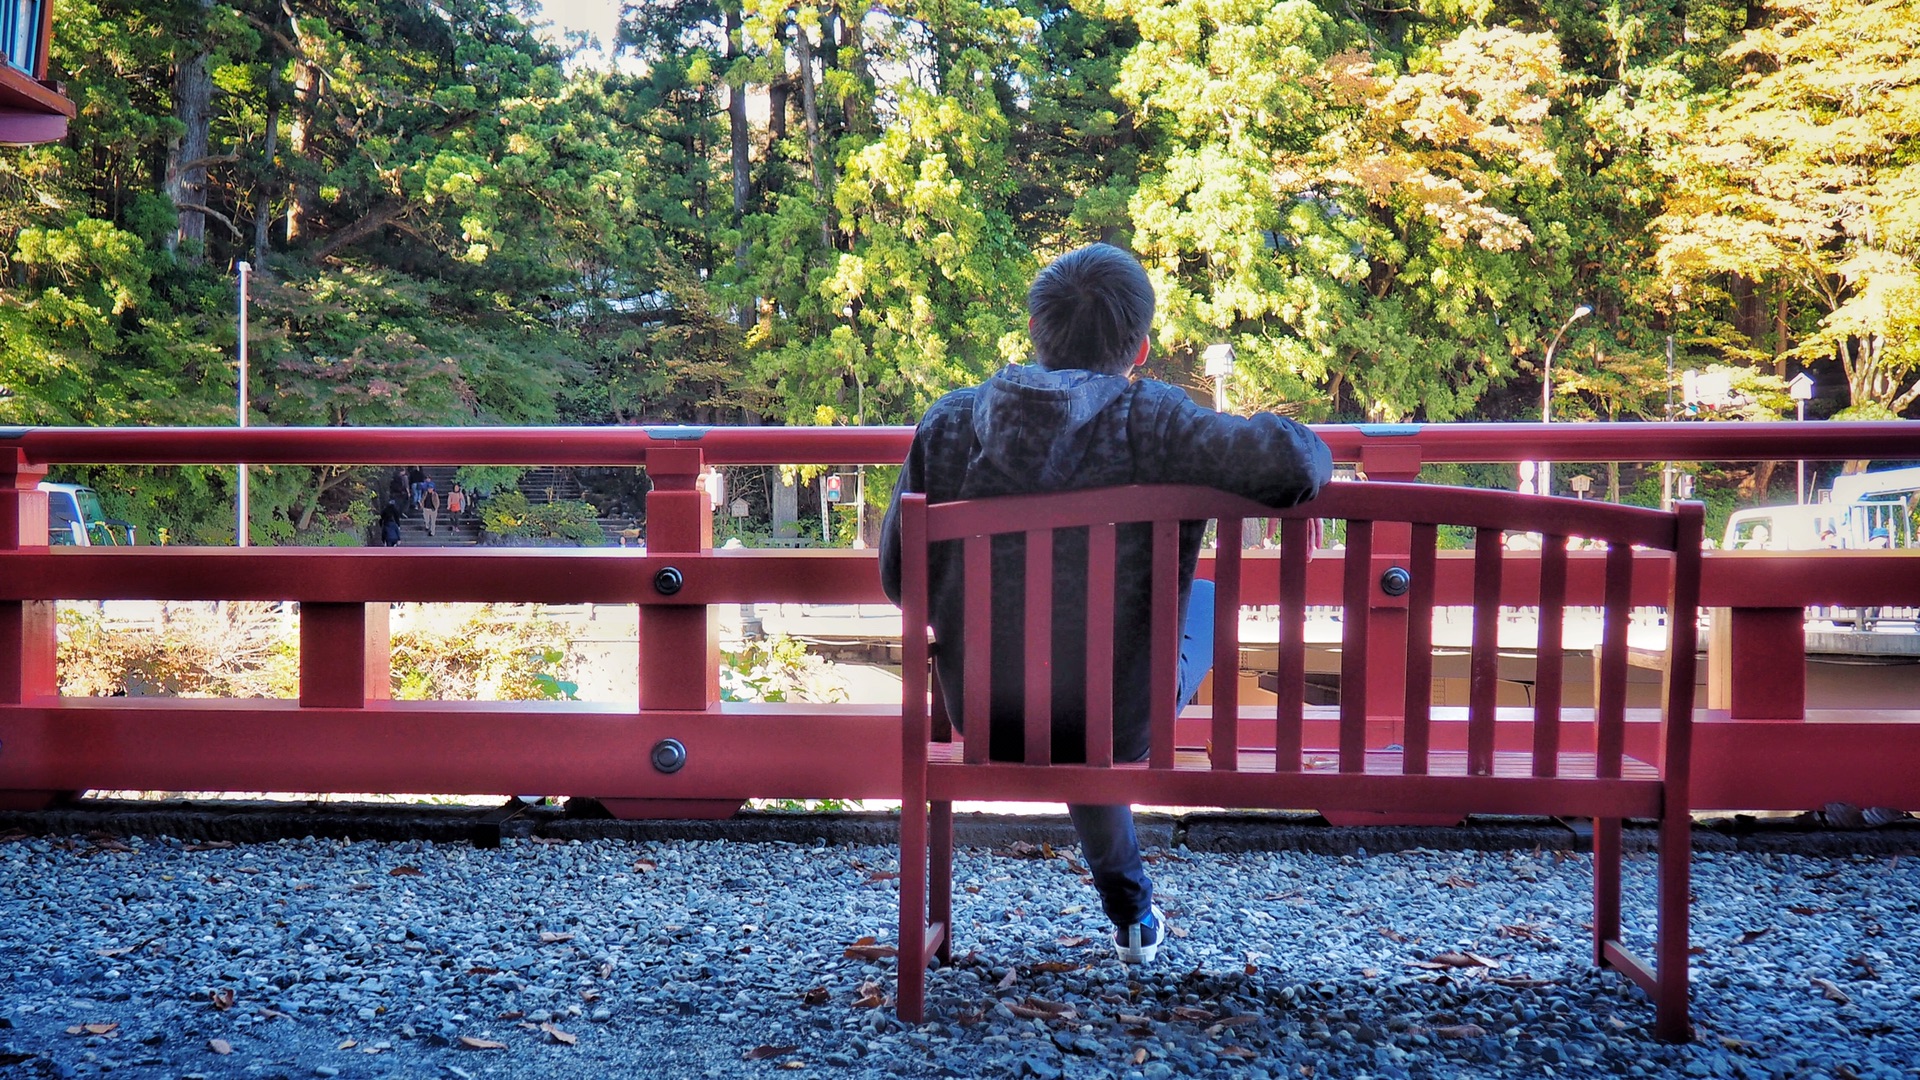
(390, 522)
(429, 506)
(456, 503)
(416, 484)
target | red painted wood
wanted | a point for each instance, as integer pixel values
(1356, 614)
(1418, 707)
(1291, 689)
(1101, 546)
(345, 655)
(1549, 654)
(1610, 701)
(977, 694)
(1226, 644)
(1039, 640)
(1594, 442)
(448, 748)
(1484, 669)
(1764, 688)
(679, 641)
(27, 626)
(442, 575)
(916, 730)
(1163, 651)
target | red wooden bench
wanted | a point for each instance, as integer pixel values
(1551, 777)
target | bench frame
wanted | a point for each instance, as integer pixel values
(1550, 777)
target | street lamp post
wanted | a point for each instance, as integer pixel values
(1545, 485)
(1219, 359)
(240, 507)
(1800, 389)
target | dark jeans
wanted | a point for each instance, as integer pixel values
(1107, 837)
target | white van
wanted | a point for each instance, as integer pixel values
(1872, 523)
(76, 519)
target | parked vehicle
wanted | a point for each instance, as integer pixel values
(1860, 510)
(76, 519)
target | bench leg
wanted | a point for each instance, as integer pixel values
(911, 968)
(1671, 1022)
(1606, 886)
(940, 899)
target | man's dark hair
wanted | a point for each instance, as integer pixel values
(1090, 308)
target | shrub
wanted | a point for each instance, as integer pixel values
(511, 515)
(240, 650)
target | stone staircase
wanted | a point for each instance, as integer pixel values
(550, 483)
(539, 484)
(447, 532)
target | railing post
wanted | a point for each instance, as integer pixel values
(28, 642)
(679, 645)
(1398, 460)
(346, 655)
(1394, 457)
(1757, 663)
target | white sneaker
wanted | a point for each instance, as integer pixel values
(1139, 943)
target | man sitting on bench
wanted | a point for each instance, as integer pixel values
(1075, 419)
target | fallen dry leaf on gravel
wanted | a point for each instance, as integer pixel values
(559, 1036)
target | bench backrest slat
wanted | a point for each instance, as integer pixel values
(1039, 647)
(1226, 645)
(1419, 688)
(1550, 656)
(1163, 685)
(1483, 685)
(1610, 711)
(1291, 676)
(1356, 624)
(1101, 540)
(976, 700)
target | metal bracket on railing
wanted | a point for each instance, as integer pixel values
(669, 755)
(668, 581)
(1396, 581)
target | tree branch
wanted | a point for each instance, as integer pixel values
(215, 215)
(201, 163)
(368, 224)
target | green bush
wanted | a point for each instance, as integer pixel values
(511, 515)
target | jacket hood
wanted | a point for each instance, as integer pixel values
(1029, 421)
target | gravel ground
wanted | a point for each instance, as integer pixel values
(156, 957)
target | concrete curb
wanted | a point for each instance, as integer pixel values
(265, 822)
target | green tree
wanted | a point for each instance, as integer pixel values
(1801, 173)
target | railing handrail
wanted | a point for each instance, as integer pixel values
(730, 445)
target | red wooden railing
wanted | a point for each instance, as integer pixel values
(1757, 744)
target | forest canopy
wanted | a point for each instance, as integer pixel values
(803, 212)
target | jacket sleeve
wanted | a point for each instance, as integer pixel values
(1265, 457)
(911, 479)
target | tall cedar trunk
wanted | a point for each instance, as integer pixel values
(739, 135)
(263, 196)
(809, 101)
(186, 182)
(859, 106)
(779, 101)
(305, 201)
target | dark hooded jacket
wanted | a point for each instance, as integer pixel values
(1028, 429)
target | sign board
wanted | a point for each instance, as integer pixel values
(1800, 388)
